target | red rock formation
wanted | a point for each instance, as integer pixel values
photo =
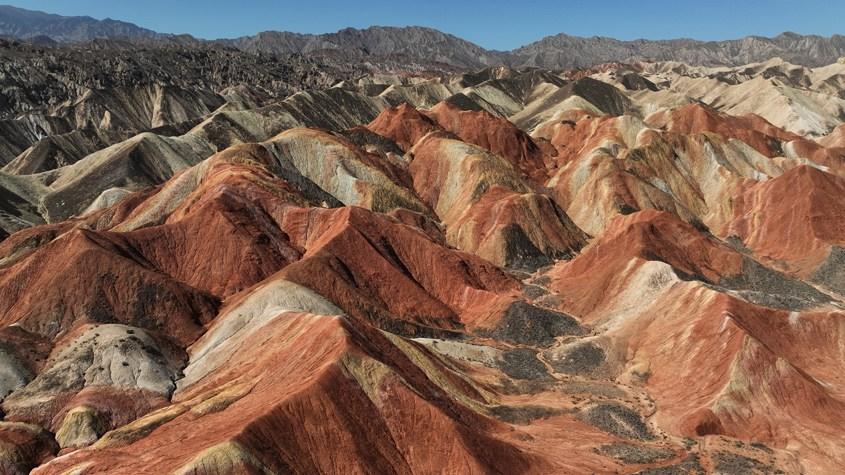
(792, 218)
(751, 129)
(495, 135)
(225, 212)
(403, 124)
(498, 225)
(832, 157)
(354, 389)
(577, 131)
(24, 447)
(418, 296)
(488, 208)
(745, 381)
(648, 235)
(643, 281)
(835, 139)
(381, 270)
(53, 289)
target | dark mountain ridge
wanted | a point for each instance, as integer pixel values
(25, 24)
(417, 42)
(427, 46)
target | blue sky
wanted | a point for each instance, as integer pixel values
(495, 24)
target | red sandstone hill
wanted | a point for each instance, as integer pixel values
(751, 129)
(794, 221)
(495, 135)
(403, 124)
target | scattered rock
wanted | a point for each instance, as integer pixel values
(618, 420)
(528, 324)
(690, 466)
(579, 358)
(522, 414)
(729, 463)
(522, 363)
(635, 454)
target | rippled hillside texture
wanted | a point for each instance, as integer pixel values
(636, 268)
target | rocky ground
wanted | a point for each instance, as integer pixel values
(37, 78)
(628, 269)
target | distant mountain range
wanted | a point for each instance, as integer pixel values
(418, 43)
(26, 24)
(564, 51)
(427, 45)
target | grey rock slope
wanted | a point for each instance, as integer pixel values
(22, 23)
(554, 52)
(35, 78)
(564, 51)
(417, 43)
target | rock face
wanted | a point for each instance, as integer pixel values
(565, 51)
(492, 272)
(420, 44)
(77, 88)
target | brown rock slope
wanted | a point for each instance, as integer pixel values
(124, 289)
(482, 177)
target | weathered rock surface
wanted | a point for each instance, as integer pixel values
(501, 271)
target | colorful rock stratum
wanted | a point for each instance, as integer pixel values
(636, 268)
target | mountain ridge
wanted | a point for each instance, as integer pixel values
(420, 43)
(23, 23)
(416, 41)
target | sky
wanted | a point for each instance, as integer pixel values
(493, 24)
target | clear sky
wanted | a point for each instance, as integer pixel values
(494, 24)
